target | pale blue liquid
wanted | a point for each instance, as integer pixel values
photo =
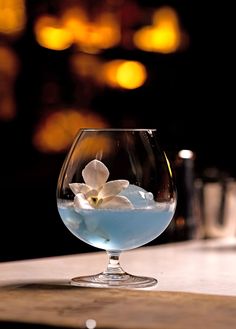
(115, 229)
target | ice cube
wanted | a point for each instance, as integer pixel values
(139, 197)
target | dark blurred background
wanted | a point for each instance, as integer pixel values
(109, 63)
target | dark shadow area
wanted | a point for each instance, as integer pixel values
(39, 285)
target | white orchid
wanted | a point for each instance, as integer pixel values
(96, 192)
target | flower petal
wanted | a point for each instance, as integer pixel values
(113, 187)
(95, 174)
(79, 188)
(91, 193)
(120, 202)
(80, 202)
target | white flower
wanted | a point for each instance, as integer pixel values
(97, 192)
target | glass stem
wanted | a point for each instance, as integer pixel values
(113, 266)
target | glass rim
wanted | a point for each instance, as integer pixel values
(117, 129)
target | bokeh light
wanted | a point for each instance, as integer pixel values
(56, 131)
(75, 27)
(12, 17)
(124, 74)
(86, 66)
(9, 67)
(51, 34)
(91, 36)
(164, 36)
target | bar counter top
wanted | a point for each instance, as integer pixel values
(196, 283)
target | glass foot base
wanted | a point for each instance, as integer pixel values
(104, 280)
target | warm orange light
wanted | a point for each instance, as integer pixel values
(109, 29)
(131, 75)
(75, 19)
(92, 35)
(12, 16)
(180, 222)
(110, 72)
(125, 74)
(75, 26)
(51, 34)
(56, 132)
(9, 66)
(7, 107)
(163, 36)
(87, 66)
(165, 15)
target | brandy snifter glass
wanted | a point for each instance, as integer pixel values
(116, 193)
